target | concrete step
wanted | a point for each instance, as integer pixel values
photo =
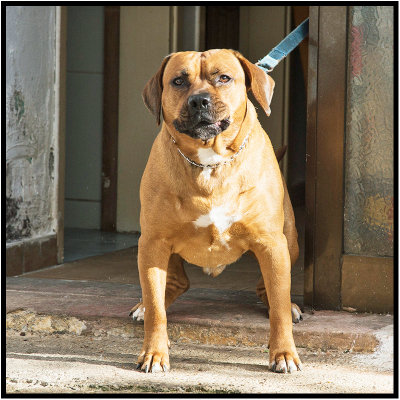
(40, 363)
(203, 316)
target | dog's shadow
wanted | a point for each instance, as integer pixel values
(207, 364)
(178, 363)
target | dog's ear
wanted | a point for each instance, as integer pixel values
(153, 90)
(260, 83)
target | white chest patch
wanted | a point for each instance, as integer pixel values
(219, 217)
(208, 156)
(206, 173)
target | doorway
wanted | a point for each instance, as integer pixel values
(253, 42)
(87, 232)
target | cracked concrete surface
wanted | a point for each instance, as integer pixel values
(65, 363)
(29, 321)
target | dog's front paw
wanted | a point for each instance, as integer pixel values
(137, 312)
(284, 361)
(153, 360)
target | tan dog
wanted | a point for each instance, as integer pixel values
(211, 191)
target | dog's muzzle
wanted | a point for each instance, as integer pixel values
(199, 118)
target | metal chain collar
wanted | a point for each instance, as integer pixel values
(229, 160)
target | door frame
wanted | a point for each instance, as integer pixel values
(110, 120)
(327, 85)
(61, 86)
(109, 173)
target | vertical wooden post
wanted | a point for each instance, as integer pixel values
(110, 118)
(325, 155)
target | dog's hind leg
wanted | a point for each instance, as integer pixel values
(177, 284)
(177, 280)
(289, 226)
(290, 231)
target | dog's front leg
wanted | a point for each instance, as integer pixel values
(274, 260)
(153, 256)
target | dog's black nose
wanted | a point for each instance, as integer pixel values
(198, 102)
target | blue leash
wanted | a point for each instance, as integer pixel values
(278, 53)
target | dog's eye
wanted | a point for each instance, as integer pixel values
(178, 81)
(224, 78)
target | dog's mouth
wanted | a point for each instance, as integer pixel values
(203, 129)
(218, 125)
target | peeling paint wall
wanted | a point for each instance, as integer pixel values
(30, 114)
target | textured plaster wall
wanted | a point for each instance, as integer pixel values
(369, 201)
(30, 126)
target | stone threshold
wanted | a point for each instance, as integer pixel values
(209, 316)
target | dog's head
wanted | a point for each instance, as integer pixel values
(204, 94)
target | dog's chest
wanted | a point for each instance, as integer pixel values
(221, 217)
(211, 235)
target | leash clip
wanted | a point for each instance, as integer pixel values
(266, 68)
(279, 52)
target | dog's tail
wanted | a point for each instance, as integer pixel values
(280, 152)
